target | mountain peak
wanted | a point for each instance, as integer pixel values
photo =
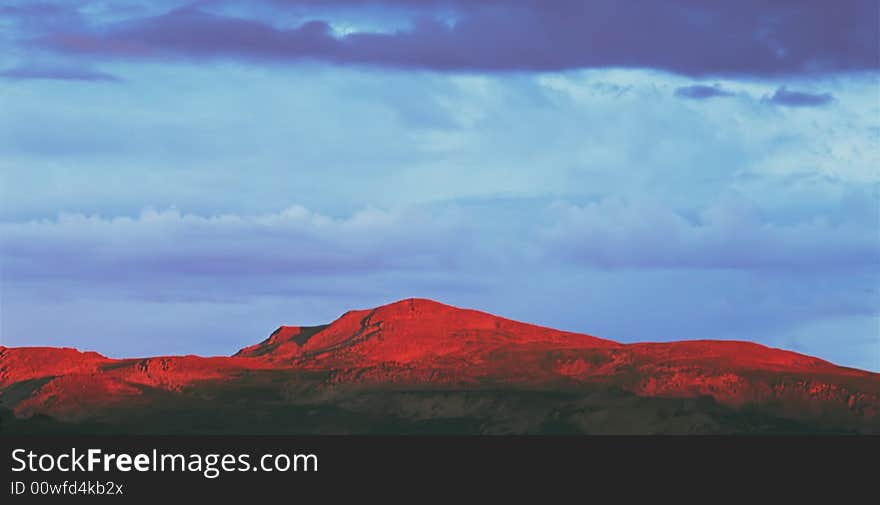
(410, 329)
(417, 304)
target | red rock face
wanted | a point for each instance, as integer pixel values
(430, 345)
(18, 365)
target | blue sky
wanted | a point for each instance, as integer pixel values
(185, 177)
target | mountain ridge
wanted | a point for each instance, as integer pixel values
(423, 345)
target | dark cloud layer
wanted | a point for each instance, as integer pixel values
(751, 37)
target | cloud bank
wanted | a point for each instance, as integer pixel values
(731, 233)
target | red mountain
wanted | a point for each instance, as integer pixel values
(418, 365)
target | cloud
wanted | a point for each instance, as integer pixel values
(64, 74)
(788, 98)
(682, 36)
(782, 96)
(296, 242)
(701, 92)
(731, 233)
(256, 253)
(417, 137)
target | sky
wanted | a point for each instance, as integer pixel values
(183, 178)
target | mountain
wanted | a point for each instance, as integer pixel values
(419, 366)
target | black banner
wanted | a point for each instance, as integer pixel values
(133, 469)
